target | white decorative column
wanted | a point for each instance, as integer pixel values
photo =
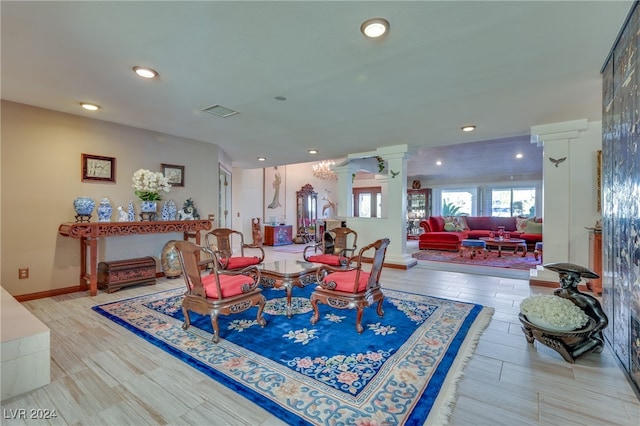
(396, 201)
(556, 188)
(345, 188)
(393, 224)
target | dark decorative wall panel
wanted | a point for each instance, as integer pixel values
(621, 197)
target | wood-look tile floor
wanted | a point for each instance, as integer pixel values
(102, 374)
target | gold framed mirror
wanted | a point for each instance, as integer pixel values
(307, 212)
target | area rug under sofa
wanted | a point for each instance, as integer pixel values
(507, 260)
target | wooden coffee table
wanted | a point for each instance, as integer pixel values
(514, 243)
(288, 273)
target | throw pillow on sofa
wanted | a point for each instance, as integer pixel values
(521, 224)
(533, 228)
(454, 223)
(449, 227)
(462, 224)
(450, 223)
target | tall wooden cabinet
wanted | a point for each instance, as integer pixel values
(418, 208)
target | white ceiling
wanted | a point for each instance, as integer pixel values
(503, 66)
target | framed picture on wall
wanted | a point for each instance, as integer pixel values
(98, 168)
(274, 194)
(174, 173)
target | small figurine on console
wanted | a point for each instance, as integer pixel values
(189, 211)
(123, 216)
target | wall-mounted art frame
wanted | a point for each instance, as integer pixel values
(599, 180)
(98, 168)
(174, 173)
(274, 194)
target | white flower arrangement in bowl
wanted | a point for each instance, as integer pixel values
(148, 185)
(553, 313)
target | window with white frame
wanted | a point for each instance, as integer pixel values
(456, 202)
(507, 202)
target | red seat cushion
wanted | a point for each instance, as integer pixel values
(230, 285)
(345, 280)
(240, 262)
(327, 259)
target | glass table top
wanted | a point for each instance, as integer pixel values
(288, 266)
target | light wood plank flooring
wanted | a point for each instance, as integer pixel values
(104, 375)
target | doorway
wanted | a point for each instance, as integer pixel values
(367, 202)
(224, 198)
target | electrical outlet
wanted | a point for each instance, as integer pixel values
(23, 273)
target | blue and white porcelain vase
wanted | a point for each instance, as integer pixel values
(104, 210)
(131, 212)
(169, 210)
(84, 208)
(148, 206)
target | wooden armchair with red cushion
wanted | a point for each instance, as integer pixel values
(219, 293)
(351, 287)
(336, 248)
(221, 240)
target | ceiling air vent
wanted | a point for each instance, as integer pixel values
(220, 111)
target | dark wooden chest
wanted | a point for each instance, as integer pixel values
(114, 275)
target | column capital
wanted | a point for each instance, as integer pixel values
(561, 131)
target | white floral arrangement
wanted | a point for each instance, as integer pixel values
(148, 185)
(555, 310)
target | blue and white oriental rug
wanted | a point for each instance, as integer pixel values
(403, 369)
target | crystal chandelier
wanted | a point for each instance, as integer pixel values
(323, 170)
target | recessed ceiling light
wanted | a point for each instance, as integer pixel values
(519, 156)
(280, 98)
(374, 28)
(145, 72)
(89, 106)
(468, 128)
(262, 159)
(438, 163)
(313, 151)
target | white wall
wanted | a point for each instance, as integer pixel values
(583, 201)
(41, 176)
(249, 190)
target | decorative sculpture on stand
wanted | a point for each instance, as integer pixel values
(257, 232)
(329, 205)
(572, 344)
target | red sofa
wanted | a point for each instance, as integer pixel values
(472, 227)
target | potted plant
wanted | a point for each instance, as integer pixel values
(147, 185)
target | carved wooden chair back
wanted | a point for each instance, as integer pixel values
(352, 287)
(219, 293)
(337, 249)
(221, 241)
